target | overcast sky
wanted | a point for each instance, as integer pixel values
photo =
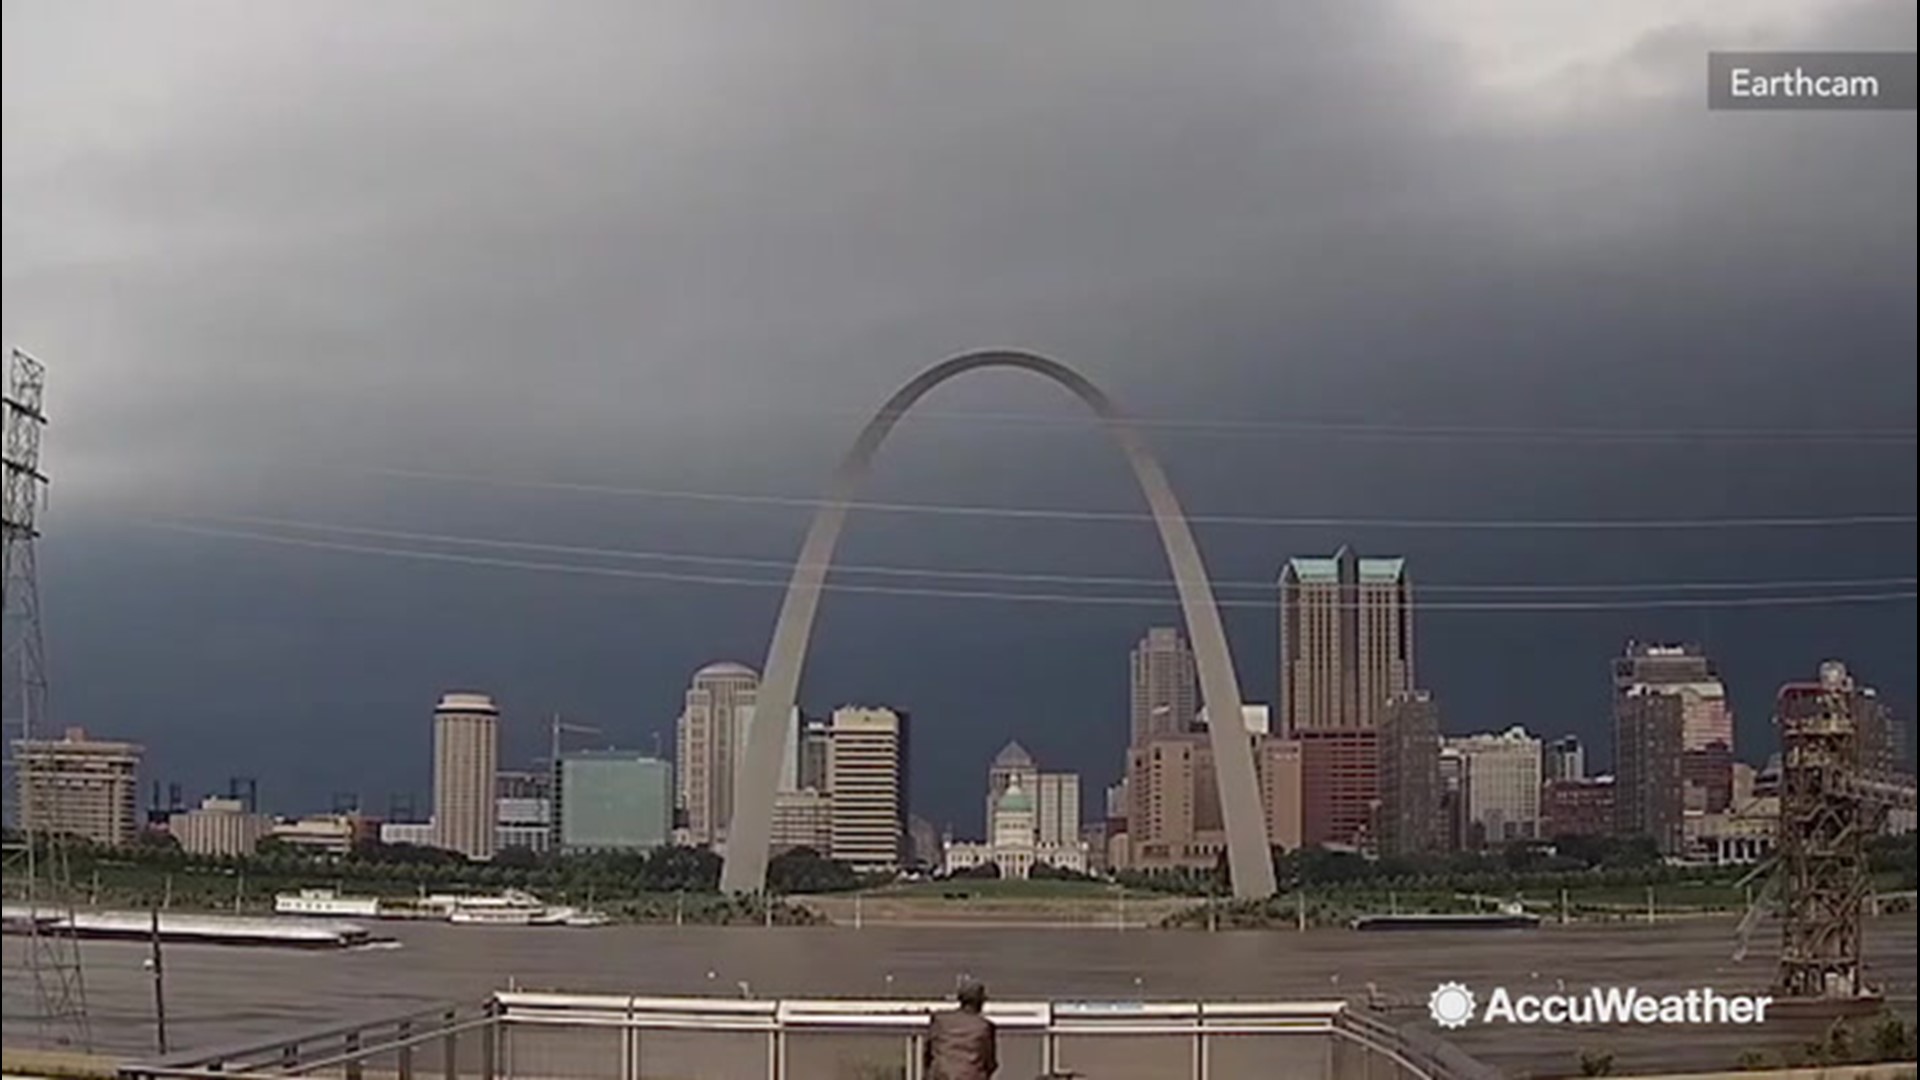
(275, 255)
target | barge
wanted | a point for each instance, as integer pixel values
(190, 929)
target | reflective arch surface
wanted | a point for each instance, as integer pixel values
(750, 830)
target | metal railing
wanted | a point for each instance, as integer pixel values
(524, 1035)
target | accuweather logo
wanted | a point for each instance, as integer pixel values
(1453, 1005)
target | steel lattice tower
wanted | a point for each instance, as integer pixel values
(36, 863)
(1823, 827)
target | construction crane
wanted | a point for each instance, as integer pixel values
(556, 730)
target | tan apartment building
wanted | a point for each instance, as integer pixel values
(78, 786)
(1174, 818)
(710, 743)
(1346, 641)
(866, 752)
(466, 764)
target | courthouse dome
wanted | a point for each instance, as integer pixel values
(1014, 799)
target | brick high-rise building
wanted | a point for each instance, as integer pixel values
(1672, 730)
(1339, 787)
(1577, 807)
(1346, 641)
(1165, 686)
(1410, 775)
(466, 763)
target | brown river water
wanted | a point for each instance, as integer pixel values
(217, 996)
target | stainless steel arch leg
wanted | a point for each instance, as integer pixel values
(750, 829)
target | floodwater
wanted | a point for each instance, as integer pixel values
(219, 996)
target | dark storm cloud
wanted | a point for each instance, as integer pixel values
(665, 243)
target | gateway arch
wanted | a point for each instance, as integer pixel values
(750, 831)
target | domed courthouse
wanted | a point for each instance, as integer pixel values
(1016, 842)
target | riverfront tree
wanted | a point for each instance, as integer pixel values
(804, 870)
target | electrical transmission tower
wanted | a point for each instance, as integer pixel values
(36, 860)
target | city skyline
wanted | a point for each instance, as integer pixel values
(1597, 757)
(1617, 313)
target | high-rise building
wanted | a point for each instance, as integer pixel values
(1882, 740)
(710, 743)
(78, 786)
(1166, 812)
(615, 800)
(1452, 799)
(1500, 785)
(1346, 641)
(1665, 696)
(812, 766)
(1056, 801)
(1172, 791)
(1649, 798)
(1011, 765)
(1055, 796)
(1280, 791)
(866, 774)
(1339, 787)
(466, 756)
(1410, 775)
(1166, 686)
(1563, 759)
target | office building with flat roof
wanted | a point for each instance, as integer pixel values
(866, 766)
(615, 800)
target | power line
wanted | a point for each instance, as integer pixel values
(1215, 426)
(993, 594)
(1039, 513)
(1028, 577)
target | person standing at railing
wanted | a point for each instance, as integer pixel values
(961, 1044)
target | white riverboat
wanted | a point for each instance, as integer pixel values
(328, 903)
(513, 908)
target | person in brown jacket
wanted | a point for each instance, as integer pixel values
(961, 1043)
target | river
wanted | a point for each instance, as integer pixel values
(223, 995)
